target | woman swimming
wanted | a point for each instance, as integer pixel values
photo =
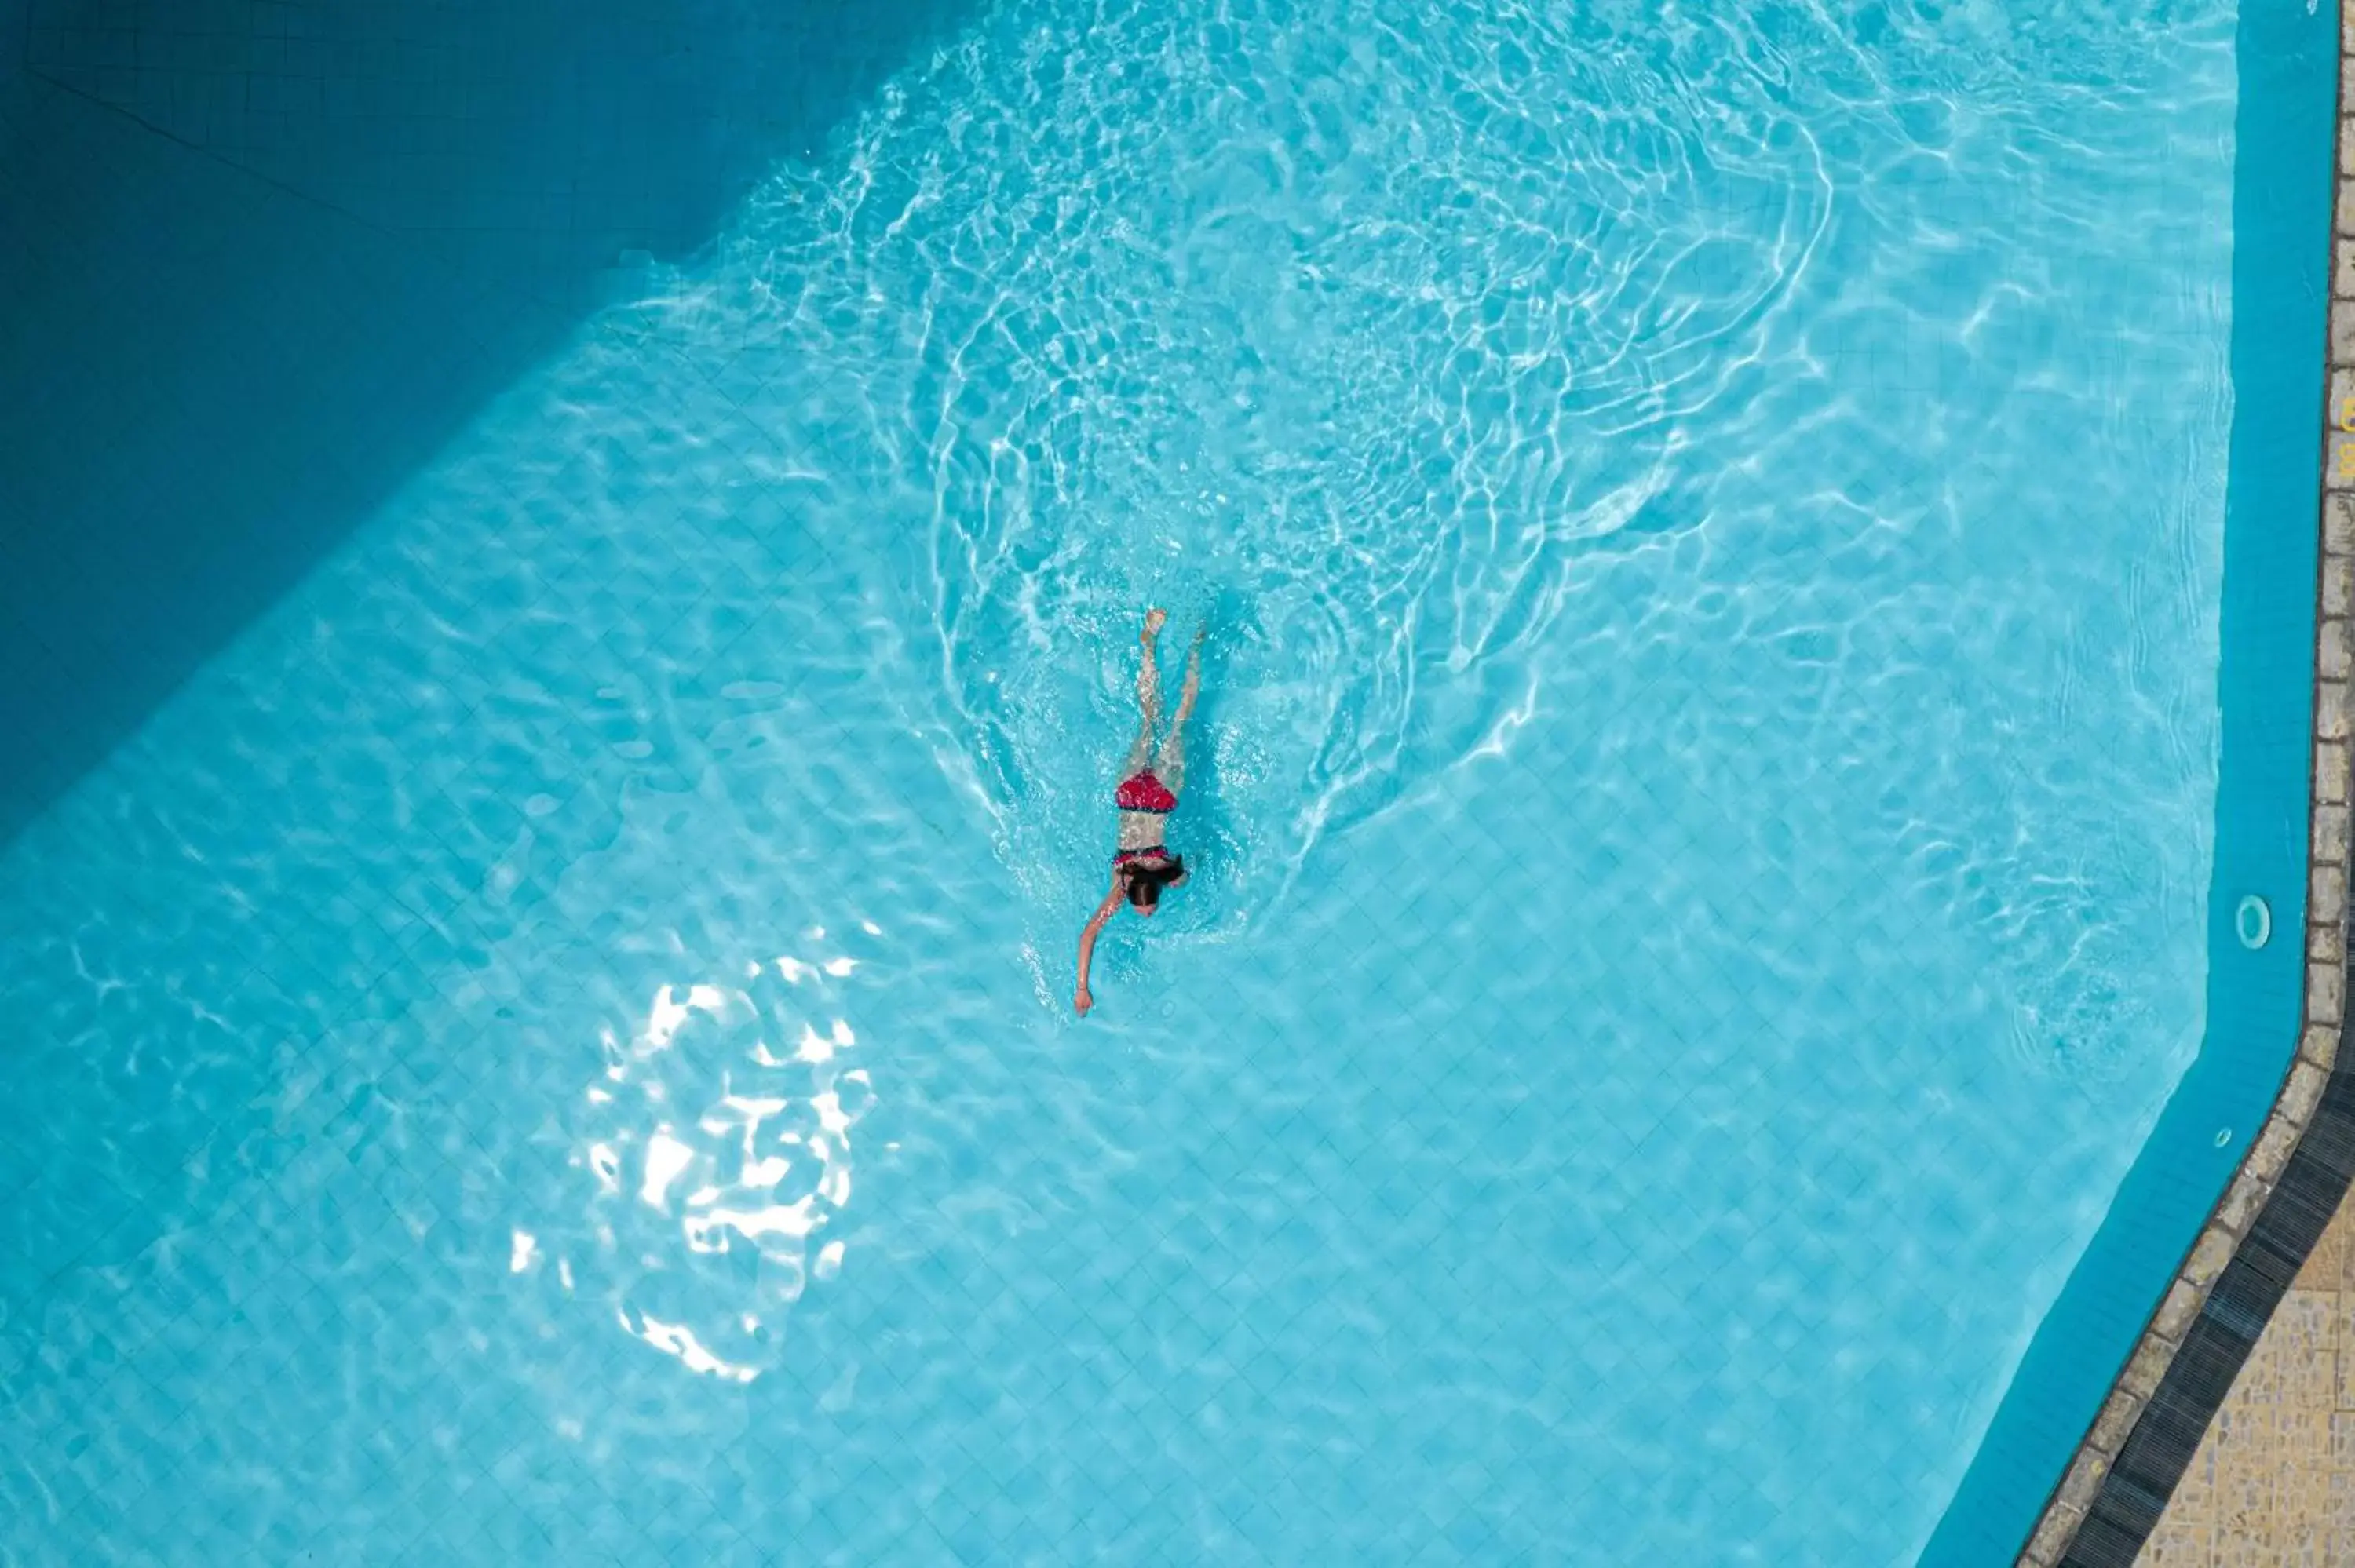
(1148, 790)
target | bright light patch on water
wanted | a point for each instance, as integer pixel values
(762, 1168)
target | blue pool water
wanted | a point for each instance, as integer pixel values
(552, 1043)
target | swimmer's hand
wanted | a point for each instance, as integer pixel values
(1083, 1001)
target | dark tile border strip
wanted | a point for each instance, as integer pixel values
(2299, 1168)
(2159, 1448)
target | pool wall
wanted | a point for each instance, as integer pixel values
(2110, 1384)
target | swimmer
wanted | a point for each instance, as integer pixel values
(1150, 783)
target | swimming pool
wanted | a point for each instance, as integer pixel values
(555, 1040)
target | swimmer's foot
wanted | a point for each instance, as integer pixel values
(1154, 621)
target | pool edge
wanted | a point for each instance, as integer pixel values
(2298, 1171)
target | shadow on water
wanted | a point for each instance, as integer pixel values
(259, 262)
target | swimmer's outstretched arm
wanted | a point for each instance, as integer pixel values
(1087, 944)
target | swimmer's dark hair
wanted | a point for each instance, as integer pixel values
(1146, 883)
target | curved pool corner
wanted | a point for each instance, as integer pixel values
(2124, 1373)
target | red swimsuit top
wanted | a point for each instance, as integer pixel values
(1143, 792)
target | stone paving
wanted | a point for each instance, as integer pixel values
(2274, 1482)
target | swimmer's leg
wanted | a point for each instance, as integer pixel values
(1148, 700)
(1170, 768)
